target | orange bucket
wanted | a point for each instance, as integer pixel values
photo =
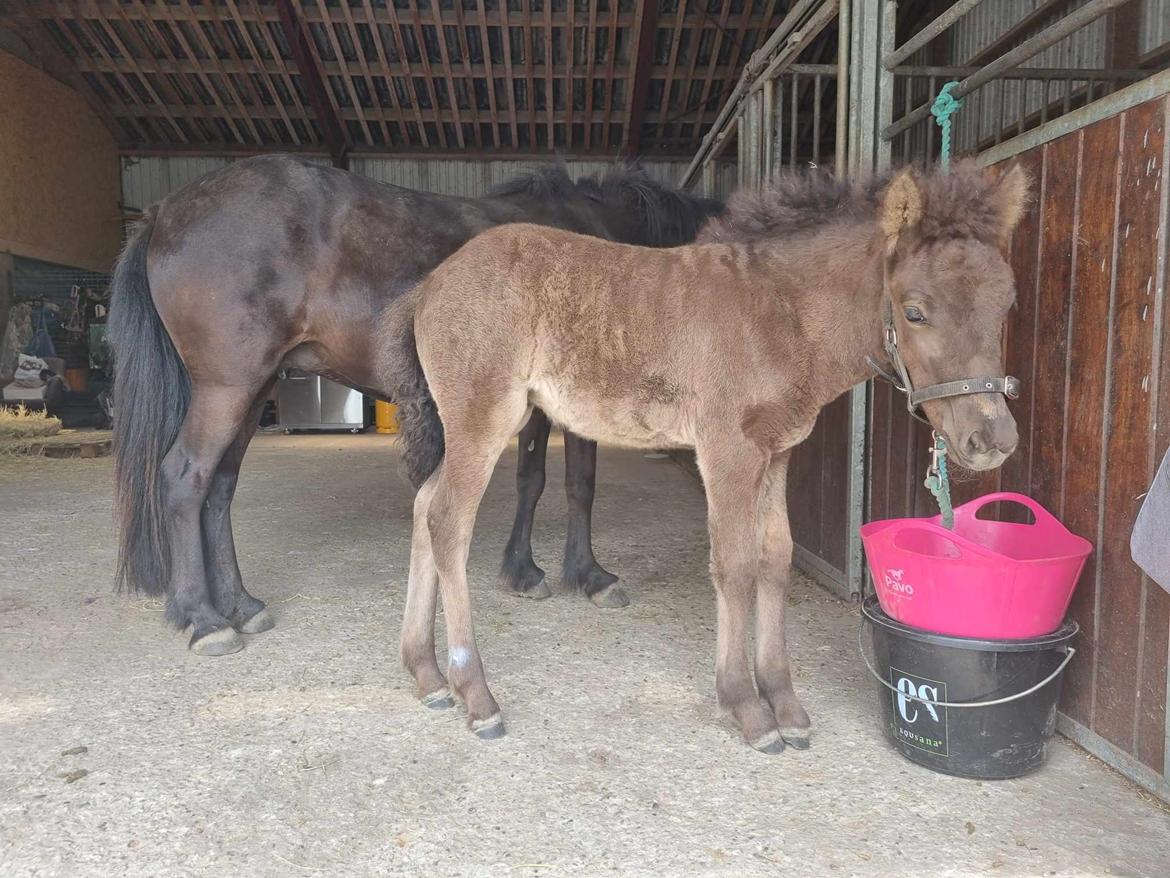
(385, 417)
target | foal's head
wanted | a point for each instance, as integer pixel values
(951, 287)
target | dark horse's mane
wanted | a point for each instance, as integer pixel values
(668, 214)
(955, 204)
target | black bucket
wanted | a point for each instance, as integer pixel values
(974, 708)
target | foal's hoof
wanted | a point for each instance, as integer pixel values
(258, 623)
(771, 743)
(489, 729)
(797, 739)
(219, 641)
(438, 700)
(612, 597)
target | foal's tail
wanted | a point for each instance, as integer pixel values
(421, 431)
(151, 393)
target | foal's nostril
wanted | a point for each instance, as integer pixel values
(976, 443)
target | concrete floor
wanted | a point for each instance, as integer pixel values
(307, 754)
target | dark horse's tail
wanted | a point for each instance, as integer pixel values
(151, 393)
(421, 431)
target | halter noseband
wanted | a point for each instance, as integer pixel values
(1008, 385)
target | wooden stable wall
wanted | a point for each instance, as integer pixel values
(59, 175)
(1089, 336)
(818, 487)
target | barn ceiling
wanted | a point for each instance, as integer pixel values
(404, 76)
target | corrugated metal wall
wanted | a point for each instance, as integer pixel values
(997, 104)
(1155, 30)
(146, 180)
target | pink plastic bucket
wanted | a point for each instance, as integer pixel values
(983, 579)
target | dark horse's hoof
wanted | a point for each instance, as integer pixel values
(438, 700)
(259, 622)
(611, 597)
(489, 729)
(218, 641)
(524, 581)
(770, 743)
(797, 739)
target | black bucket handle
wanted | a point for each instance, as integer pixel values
(1069, 653)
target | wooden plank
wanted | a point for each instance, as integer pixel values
(804, 494)
(668, 75)
(367, 75)
(489, 74)
(1152, 737)
(261, 70)
(411, 91)
(445, 62)
(1084, 420)
(881, 400)
(469, 77)
(834, 486)
(1128, 439)
(399, 113)
(529, 67)
(610, 92)
(549, 102)
(590, 70)
(1021, 329)
(1052, 308)
(643, 56)
(509, 80)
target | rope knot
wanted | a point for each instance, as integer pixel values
(945, 105)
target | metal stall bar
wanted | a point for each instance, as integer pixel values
(1009, 60)
(787, 27)
(892, 59)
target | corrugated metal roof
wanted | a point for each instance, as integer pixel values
(150, 179)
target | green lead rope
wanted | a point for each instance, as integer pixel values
(945, 106)
(937, 482)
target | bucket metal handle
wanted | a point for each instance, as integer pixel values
(1070, 652)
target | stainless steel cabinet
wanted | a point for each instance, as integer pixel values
(309, 402)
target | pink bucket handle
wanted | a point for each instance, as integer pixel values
(962, 548)
(1043, 517)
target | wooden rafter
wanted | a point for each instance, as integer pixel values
(306, 60)
(360, 75)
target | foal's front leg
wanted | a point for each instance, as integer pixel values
(773, 672)
(733, 474)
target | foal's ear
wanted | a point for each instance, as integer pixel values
(901, 207)
(1011, 197)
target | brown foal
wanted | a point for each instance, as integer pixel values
(730, 346)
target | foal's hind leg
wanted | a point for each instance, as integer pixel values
(474, 445)
(418, 623)
(733, 474)
(582, 573)
(246, 613)
(773, 672)
(211, 425)
(519, 573)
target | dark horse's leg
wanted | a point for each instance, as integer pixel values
(231, 599)
(519, 573)
(581, 572)
(212, 424)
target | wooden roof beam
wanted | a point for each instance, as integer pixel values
(336, 136)
(643, 63)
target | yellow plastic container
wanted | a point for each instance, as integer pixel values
(385, 417)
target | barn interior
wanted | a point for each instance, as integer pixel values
(308, 751)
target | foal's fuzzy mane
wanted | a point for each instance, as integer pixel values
(958, 204)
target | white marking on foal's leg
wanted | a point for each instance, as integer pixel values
(459, 656)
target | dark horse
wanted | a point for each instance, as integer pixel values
(274, 262)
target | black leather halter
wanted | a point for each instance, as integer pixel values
(1008, 385)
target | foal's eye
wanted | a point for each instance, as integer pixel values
(914, 315)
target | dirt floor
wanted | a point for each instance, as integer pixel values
(123, 754)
